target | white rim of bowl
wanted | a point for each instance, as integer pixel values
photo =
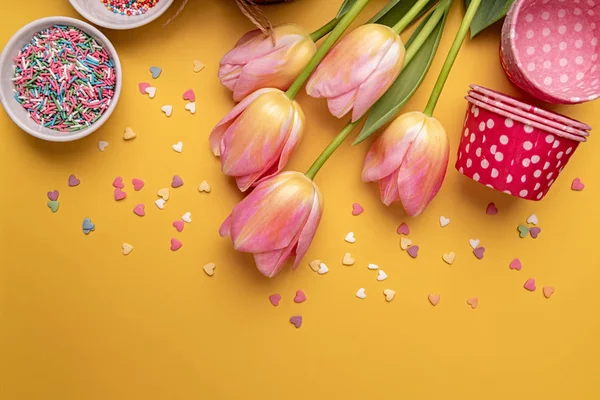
(89, 29)
(133, 25)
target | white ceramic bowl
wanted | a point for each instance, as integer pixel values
(96, 12)
(16, 111)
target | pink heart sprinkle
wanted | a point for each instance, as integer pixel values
(534, 232)
(175, 244)
(357, 209)
(274, 299)
(491, 209)
(120, 195)
(577, 184)
(138, 184)
(300, 297)
(53, 195)
(403, 229)
(479, 252)
(73, 181)
(179, 224)
(139, 210)
(530, 284)
(118, 182)
(413, 251)
(473, 302)
(177, 181)
(143, 86)
(189, 95)
(515, 264)
(296, 320)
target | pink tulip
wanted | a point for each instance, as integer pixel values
(358, 70)
(256, 139)
(254, 62)
(277, 221)
(409, 160)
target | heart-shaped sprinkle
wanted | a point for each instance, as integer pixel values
(163, 193)
(357, 209)
(434, 299)
(348, 260)
(118, 182)
(204, 187)
(381, 275)
(178, 147)
(209, 269)
(119, 194)
(473, 302)
(577, 185)
(373, 266)
(515, 264)
(143, 86)
(474, 243)
(322, 269)
(275, 299)
(403, 229)
(389, 294)
(478, 252)
(534, 232)
(350, 237)
(139, 210)
(187, 217)
(73, 181)
(314, 265)
(300, 297)
(532, 219)
(155, 71)
(296, 320)
(548, 291)
(160, 203)
(175, 244)
(176, 182)
(444, 221)
(449, 257)
(53, 205)
(523, 231)
(138, 184)
(191, 107)
(88, 226)
(361, 293)
(126, 248)
(189, 95)
(102, 145)
(178, 224)
(413, 251)
(150, 91)
(167, 109)
(53, 195)
(491, 209)
(405, 243)
(129, 134)
(530, 284)
(198, 66)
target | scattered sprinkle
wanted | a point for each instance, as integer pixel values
(118, 182)
(53, 205)
(405, 243)
(444, 221)
(88, 226)
(348, 260)
(189, 95)
(413, 251)
(523, 231)
(577, 185)
(73, 181)
(478, 252)
(102, 145)
(204, 187)
(491, 209)
(389, 294)
(474, 243)
(119, 194)
(296, 320)
(150, 91)
(322, 269)
(129, 134)
(167, 109)
(532, 219)
(361, 293)
(160, 203)
(155, 71)
(434, 299)
(357, 209)
(515, 264)
(209, 269)
(373, 266)
(350, 237)
(129, 7)
(300, 297)
(198, 66)
(535, 231)
(187, 217)
(143, 86)
(449, 257)
(530, 284)
(473, 302)
(314, 265)
(177, 181)
(176, 245)
(381, 275)
(164, 192)
(138, 184)
(275, 299)
(403, 229)
(126, 248)
(178, 224)
(548, 291)
(191, 107)
(53, 195)
(139, 210)
(178, 147)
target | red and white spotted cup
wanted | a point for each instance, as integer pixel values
(550, 49)
(510, 153)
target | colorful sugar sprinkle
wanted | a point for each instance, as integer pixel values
(515, 264)
(577, 185)
(102, 145)
(129, 7)
(64, 79)
(300, 297)
(53, 196)
(275, 299)
(118, 182)
(204, 187)
(176, 182)
(175, 244)
(119, 194)
(138, 184)
(389, 294)
(413, 251)
(198, 66)
(189, 95)
(296, 320)
(403, 229)
(53, 205)
(434, 299)
(535, 231)
(73, 181)
(530, 284)
(473, 302)
(548, 291)
(478, 252)
(491, 209)
(357, 209)
(126, 248)
(155, 71)
(178, 225)
(209, 269)
(139, 210)
(87, 226)
(523, 231)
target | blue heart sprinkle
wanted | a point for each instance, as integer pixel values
(88, 226)
(155, 71)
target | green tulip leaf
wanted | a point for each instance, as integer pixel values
(489, 12)
(395, 10)
(407, 82)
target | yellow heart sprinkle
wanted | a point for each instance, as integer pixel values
(164, 193)
(389, 294)
(315, 265)
(348, 260)
(198, 66)
(129, 134)
(449, 257)
(127, 248)
(405, 243)
(204, 187)
(209, 269)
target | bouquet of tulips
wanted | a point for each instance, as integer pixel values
(368, 70)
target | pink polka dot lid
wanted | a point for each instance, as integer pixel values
(550, 49)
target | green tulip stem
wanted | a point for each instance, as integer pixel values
(324, 30)
(422, 37)
(408, 18)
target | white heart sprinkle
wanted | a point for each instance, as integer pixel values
(160, 203)
(151, 91)
(533, 219)
(361, 293)
(474, 243)
(187, 217)
(102, 145)
(382, 276)
(127, 248)
(191, 107)
(322, 269)
(373, 266)
(167, 109)
(204, 187)
(350, 237)
(444, 221)
(178, 147)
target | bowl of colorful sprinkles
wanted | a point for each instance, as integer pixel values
(60, 78)
(121, 14)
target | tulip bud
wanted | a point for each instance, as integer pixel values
(254, 62)
(358, 70)
(257, 137)
(278, 220)
(409, 160)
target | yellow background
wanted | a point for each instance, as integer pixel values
(78, 320)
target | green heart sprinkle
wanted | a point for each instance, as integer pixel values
(523, 231)
(53, 205)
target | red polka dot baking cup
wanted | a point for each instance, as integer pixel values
(510, 153)
(550, 49)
